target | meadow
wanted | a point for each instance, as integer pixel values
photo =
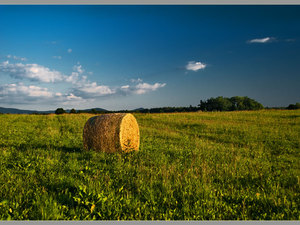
(191, 166)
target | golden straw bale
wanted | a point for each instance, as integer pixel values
(116, 132)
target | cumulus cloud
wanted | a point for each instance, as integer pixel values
(195, 66)
(71, 96)
(33, 72)
(84, 88)
(71, 99)
(18, 93)
(69, 50)
(140, 88)
(261, 40)
(89, 90)
(73, 78)
(57, 57)
(92, 90)
(76, 76)
(81, 89)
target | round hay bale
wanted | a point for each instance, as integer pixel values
(116, 132)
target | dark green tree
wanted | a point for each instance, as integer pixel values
(236, 103)
(229, 104)
(222, 104)
(250, 104)
(60, 111)
(294, 106)
(73, 111)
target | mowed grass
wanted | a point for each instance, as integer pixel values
(191, 166)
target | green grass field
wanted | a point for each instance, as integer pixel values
(191, 166)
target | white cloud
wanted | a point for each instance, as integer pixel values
(81, 90)
(5, 63)
(85, 89)
(139, 80)
(57, 57)
(16, 57)
(71, 100)
(76, 78)
(261, 40)
(31, 90)
(71, 96)
(140, 88)
(69, 50)
(145, 87)
(78, 68)
(73, 78)
(92, 90)
(195, 66)
(20, 93)
(32, 72)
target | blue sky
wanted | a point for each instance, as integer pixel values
(126, 57)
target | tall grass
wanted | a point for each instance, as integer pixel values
(191, 166)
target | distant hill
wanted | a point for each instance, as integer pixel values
(88, 110)
(98, 109)
(21, 111)
(24, 111)
(138, 109)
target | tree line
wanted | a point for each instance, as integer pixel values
(236, 103)
(294, 106)
(230, 104)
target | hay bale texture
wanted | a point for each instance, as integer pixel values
(116, 132)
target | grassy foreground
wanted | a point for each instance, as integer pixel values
(191, 166)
